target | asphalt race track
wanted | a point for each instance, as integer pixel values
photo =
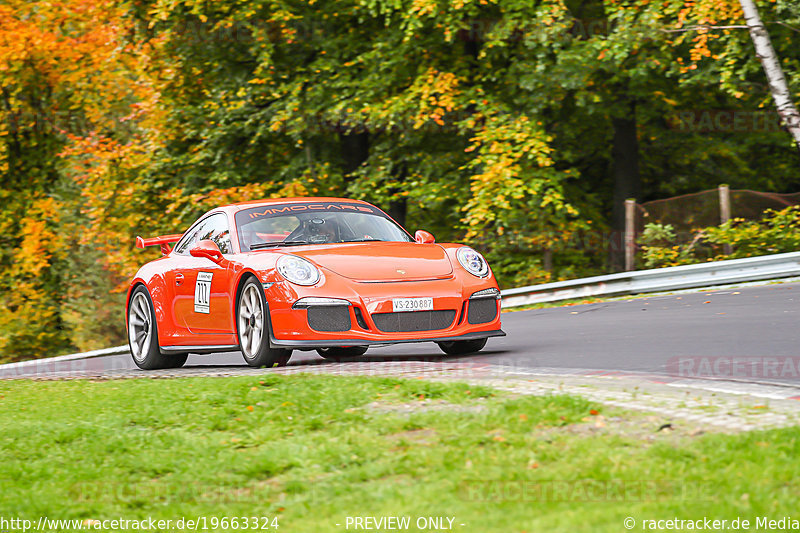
(745, 334)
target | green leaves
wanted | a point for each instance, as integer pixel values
(479, 120)
(776, 232)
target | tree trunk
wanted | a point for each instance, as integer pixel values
(547, 259)
(354, 150)
(398, 206)
(397, 210)
(772, 68)
(627, 181)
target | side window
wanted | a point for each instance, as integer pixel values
(188, 240)
(214, 228)
(219, 233)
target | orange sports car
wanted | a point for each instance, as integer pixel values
(326, 274)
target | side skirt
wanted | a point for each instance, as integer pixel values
(200, 349)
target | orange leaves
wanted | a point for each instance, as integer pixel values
(514, 178)
(38, 238)
(696, 16)
(435, 94)
(424, 7)
(179, 201)
(71, 66)
(65, 43)
(29, 312)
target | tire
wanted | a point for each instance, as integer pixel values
(462, 347)
(143, 334)
(252, 328)
(341, 353)
(176, 360)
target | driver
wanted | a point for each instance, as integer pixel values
(323, 230)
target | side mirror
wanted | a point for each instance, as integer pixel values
(208, 249)
(423, 237)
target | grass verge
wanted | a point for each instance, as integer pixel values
(313, 450)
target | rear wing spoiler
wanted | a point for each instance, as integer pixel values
(164, 241)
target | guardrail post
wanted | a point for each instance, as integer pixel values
(725, 212)
(630, 233)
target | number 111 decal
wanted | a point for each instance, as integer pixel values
(202, 292)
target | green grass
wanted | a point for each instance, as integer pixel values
(316, 449)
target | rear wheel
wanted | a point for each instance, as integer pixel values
(341, 353)
(252, 320)
(462, 347)
(143, 334)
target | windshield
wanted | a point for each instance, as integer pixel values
(314, 223)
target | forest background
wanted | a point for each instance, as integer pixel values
(519, 126)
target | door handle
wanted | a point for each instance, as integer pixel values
(178, 279)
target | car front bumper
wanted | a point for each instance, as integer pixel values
(313, 344)
(291, 327)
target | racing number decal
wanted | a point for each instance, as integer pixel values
(202, 292)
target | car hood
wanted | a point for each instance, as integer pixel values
(382, 261)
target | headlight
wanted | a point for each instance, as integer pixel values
(298, 270)
(473, 262)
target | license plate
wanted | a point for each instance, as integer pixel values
(412, 304)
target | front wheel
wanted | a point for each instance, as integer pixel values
(252, 320)
(341, 353)
(462, 347)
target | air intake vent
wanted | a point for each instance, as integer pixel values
(360, 318)
(482, 311)
(414, 320)
(329, 318)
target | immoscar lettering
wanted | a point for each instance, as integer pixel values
(306, 207)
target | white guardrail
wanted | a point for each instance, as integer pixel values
(641, 281)
(761, 268)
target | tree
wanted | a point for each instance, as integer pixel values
(518, 126)
(772, 69)
(67, 75)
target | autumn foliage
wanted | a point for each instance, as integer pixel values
(481, 120)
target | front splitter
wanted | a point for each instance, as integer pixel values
(313, 344)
